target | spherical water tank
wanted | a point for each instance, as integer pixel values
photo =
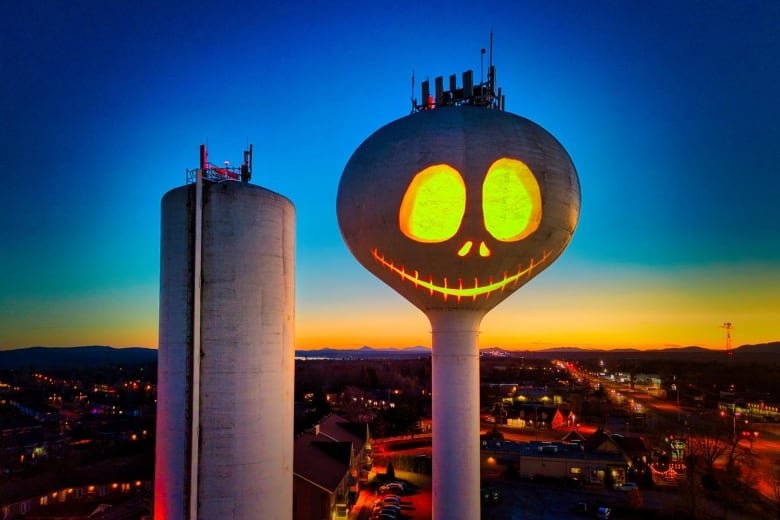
(456, 208)
(242, 415)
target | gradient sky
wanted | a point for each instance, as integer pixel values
(669, 110)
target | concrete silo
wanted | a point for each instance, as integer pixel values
(455, 207)
(226, 354)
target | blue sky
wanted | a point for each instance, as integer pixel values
(669, 111)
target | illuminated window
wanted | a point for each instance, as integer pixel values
(575, 471)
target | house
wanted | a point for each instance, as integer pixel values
(573, 437)
(601, 441)
(562, 419)
(632, 449)
(117, 501)
(330, 463)
(530, 415)
(553, 460)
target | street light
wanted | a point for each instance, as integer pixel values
(733, 422)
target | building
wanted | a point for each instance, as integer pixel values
(553, 460)
(332, 461)
(115, 501)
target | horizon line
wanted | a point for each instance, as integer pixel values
(411, 347)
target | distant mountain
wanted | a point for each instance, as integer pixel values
(364, 352)
(418, 348)
(692, 352)
(763, 348)
(690, 349)
(75, 357)
(94, 356)
(496, 350)
(563, 349)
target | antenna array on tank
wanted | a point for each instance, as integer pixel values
(484, 94)
(214, 173)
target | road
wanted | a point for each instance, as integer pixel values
(666, 417)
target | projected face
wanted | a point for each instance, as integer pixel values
(434, 204)
(433, 209)
(457, 213)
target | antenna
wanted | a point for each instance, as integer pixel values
(491, 72)
(482, 94)
(246, 168)
(210, 172)
(482, 65)
(729, 327)
(414, 101)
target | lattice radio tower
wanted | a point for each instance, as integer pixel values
(729, 327)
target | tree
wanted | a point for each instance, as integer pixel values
(690, 488)
(390, 472)
(707, 445)
(775, 483)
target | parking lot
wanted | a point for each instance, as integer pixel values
(529, 500)
(415, 501)
(520, 500)
(539, 500)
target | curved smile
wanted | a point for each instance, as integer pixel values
(459, 289)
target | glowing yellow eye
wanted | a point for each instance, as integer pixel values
(511, 201)
(433, 206)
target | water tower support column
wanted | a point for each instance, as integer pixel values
(455, 387)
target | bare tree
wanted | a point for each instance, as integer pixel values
(690, 489)
(720, 442)
(707, 446)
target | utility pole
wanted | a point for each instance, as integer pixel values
(728, 326)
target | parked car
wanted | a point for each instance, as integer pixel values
(627, 486)
(389, 509)
(392, 487)
(490, 495)
(382, 514)
(379, 504)
(384, 505)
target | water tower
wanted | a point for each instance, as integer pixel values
(225, 370)
(456, 206)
